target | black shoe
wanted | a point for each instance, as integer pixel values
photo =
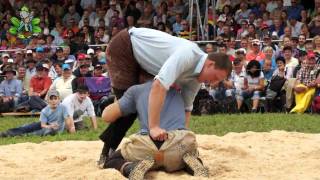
(102, 160)
(254, 111)
(3, 134)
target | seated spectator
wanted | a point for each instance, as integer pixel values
(290, 65)
(53, 119)
(40, 83)
(242, 13)
(241, 55)
(177, 27)
(146, 18)
(10, 90)
(63, 84)
(237, 77)
(302, 42)
(305, 85)
(315, 27)
(275, 87)
(79, 105)
(253, 85)
(255, 53)
(132, 158)
(268, 64)
(243, 31)
(185, 33)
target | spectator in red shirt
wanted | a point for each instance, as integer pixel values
(40, 83)
(255, 53)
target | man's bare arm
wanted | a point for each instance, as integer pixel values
(156, 100)
(112, 112)
(70, 125)
(188, 115)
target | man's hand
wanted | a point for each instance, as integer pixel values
(158, 134)
(54, 126)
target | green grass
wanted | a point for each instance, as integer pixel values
(216, 124)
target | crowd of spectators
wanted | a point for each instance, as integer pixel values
(267, 40)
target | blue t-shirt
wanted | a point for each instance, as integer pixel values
(57, 116)
(136, 98)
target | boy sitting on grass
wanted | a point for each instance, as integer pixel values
(52, 120)
(176, 151)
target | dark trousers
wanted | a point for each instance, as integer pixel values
(28, 128)
(115, 132)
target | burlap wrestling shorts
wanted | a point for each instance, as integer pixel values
(123, 69)
(169, 156)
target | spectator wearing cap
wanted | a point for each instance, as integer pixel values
(41, 82)
(255, 53)
(267, 41)
(305, 85)
(80, 73)
(40, 54)
(59, 56)
(30, 71)
(98, 70)
(19, 58)
(4, 59)
(241, 54)
(221, 22)
(79, 105)
(52, 120)
(63, 84)
(10, 88)
(242, 13)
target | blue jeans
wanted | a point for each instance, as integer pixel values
(32, 128)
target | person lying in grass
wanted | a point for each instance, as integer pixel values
(141, 153)
(53, 119)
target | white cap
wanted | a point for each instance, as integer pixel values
(69, 60)
(5, 55)
(45, 66)
(90, 51)
(29, 51)
(242, 50)
(10, 60)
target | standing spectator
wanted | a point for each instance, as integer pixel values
(305, 85)
(79, 105)
(72, 14)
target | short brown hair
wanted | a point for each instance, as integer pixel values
(221, 61)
